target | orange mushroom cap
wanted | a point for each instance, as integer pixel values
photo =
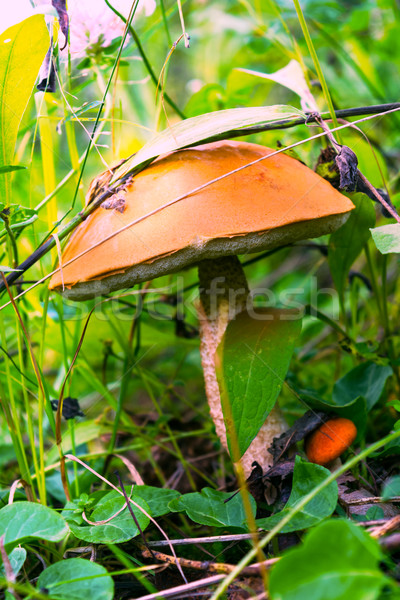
(330, 440)
(273, 203)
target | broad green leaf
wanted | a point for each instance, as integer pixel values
(374, 513)
(387, 238)
(22, 50)
(366, 380)
(391, 449)
(23, 521)
(338, 560)
(213, 508)
(76, 578)
(9, 168)
(355, 410)
(17, 558)
(306, 477)
(391, 488)
(198, 129)
(346, 243)
(156, 498)
(254, 357)
(120, 528)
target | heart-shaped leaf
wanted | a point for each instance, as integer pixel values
(213, 508)
(120, 526)
(23, 521)
(76, 578)
(306, 476)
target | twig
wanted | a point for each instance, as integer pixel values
(380, 530)
(238, 537)
(372, 500)
(210, 567)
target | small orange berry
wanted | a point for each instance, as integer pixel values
(330, 440)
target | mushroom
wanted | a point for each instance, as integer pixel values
(160, 223)
(330, 440)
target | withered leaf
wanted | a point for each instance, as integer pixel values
(60, 6)
(347, 164)
(302, 427)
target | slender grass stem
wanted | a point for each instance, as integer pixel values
(145, 59)
(27, 404)
(124, 381)
(12, 414)
(386, 321)
(175, 444)
(317, 65)
(374, 282)
(165, 21)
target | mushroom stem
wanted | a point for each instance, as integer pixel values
(223, 294)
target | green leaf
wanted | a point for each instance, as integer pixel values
(387, 238)
(391, 449)
(23, 521)
(76, 578)
(17, 558)
(213, 508)
(18, 216)
(355, 410)
(254, 355)
(22, 51)
(391, 488)
(306, 477)
(156, 498)
(119, 529)
(9, 168)
(197, 129)
(346, 243)
(79, 111)
(374, 513)
(366, 380)
(338, 560)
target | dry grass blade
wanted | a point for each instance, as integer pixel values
(15, 485)
(182, 590)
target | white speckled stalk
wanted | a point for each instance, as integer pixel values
(223, 294)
